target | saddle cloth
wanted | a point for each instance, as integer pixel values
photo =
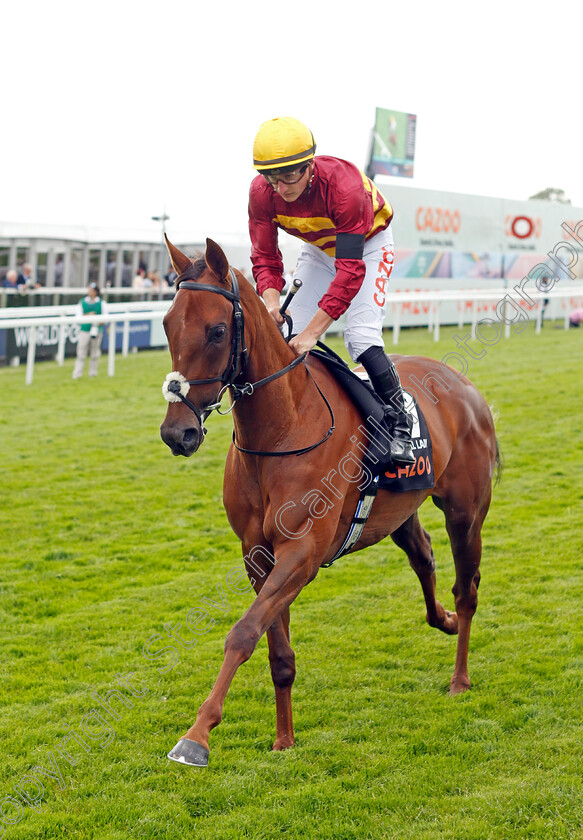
(417, 476)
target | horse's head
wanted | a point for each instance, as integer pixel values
(205, 337)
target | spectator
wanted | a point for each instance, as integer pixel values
(152, 283)
(90, 335)
(170, 278)
(148, 282)
(576, 317)
(138, 281)
(26, 279)
(59, 268)
(11, 280)
(126, 275)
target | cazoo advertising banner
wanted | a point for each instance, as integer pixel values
(447, 241)
(439, 234)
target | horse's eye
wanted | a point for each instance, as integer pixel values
(217, 334)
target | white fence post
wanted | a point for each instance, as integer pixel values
(396, 321)
(111, 353)
(31, 353)
(63, 329)
(126, 338)
(436, 321)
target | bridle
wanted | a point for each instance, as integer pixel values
(175, 382)
(176, 386)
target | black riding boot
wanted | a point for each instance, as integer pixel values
(385, 380)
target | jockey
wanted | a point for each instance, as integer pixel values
(346, 257)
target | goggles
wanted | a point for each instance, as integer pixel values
(273, 176)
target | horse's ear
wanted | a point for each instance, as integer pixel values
(180, 262)
(216, 259)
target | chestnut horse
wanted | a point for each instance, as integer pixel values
(293, 425)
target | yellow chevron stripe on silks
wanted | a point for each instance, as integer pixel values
(304, 224)
(311, 224)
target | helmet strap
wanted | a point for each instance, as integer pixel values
(311, 176)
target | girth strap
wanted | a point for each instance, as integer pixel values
(359, 520)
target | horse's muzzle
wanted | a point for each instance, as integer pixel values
(182, 440)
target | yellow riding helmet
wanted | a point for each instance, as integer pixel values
(282, 142)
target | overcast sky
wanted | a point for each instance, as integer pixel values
(114, 110)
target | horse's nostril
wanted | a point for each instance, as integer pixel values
(189, 436)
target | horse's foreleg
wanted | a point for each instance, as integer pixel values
(282, 662)
(286, 580)
(283, 672)
(193, 748)
(416, 543)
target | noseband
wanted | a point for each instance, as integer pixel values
(176, 386)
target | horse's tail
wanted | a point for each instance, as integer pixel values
(499, 464)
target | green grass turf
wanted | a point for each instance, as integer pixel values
(106, 538)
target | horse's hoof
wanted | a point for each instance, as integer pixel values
(458, 686)
(444, 620)
(283, 744)
(189, 752)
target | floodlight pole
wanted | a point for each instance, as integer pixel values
(163, 219)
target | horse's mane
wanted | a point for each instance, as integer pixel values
(198, 265)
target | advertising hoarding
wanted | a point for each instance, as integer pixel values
(480, 238)
(47, 339)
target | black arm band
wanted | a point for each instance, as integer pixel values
(349, 246)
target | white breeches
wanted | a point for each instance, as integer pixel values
(366, 313)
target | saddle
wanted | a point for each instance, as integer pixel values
(418, 476)
(358, 388)
(366, 400)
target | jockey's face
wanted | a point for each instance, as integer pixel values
(291, 192)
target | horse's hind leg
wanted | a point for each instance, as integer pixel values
(464, 521)
(416, 543)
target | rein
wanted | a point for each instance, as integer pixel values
(176, 386)
(291, 451)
